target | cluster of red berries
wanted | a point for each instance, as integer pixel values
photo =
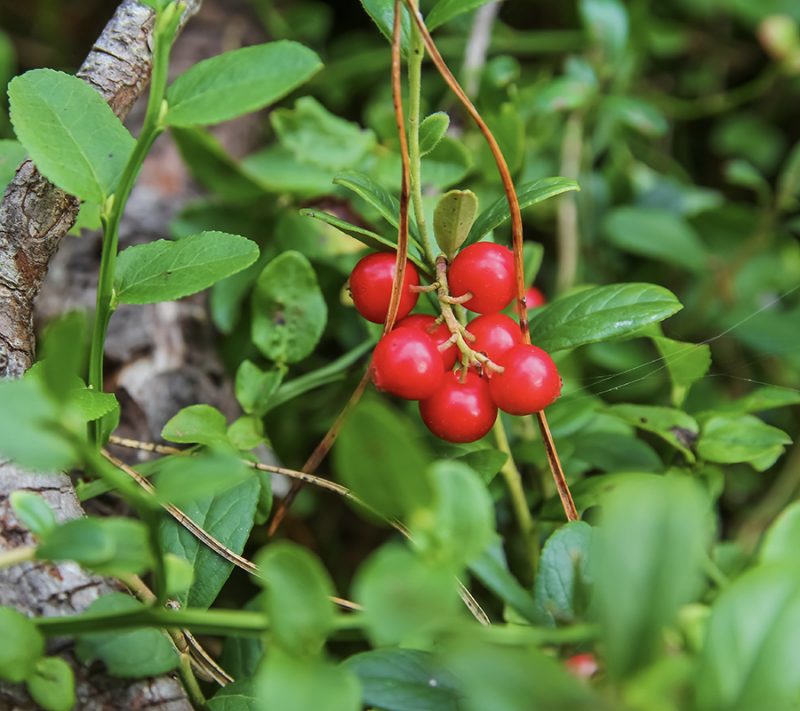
(415, 360)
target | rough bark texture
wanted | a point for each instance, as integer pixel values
(34, 217)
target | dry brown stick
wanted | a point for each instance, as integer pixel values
(516, 232)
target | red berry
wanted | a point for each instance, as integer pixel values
(438, 332)
(407, 364)
(459, 412)
(529, 382)
(485, 270)
(534, 298)
(371, 287)
(583, 666)
(494, 334)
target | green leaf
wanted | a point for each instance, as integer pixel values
(673, 426)
(613, 452)
(319, 137)
(431, 131)
(404, 680)
(228, 517)
(70, 132)
(686, 363)
(766, 398)
(512, 678)
(789, 178)
(238, 82)
(246, 432)
(277, 170)
(297, 598)
(491, 569)
(600, 313)
(33, 512)
(290, 683)
(486, 461)
(187, 478)
(744, 438)
(213, 168)
(650, 555)
(179, 575)
(460, 523)
(378, 197)
(607, 24)
(90, 404)
(165, 270)
(11, 155)
(62, 353)
(23, 646)
(453, 217)
(289, 312)
(52, 684)
(365, 236)
(133, 654)
(28, 434)
(239, 696)
(109, 546)
(528, 194)
(404, 597)
(197, 424)
(445, 10)
(782, 539)
(566, 93)
(446, 165)
(379, 456)
(331, 373)
(564, 578)
(752, 644)
(657, 234)
(637, 114)
(382, 14)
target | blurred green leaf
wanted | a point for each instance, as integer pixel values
(188, 478)
(673, 426)
(492, 571)
(744, 438)
(238, 696)
(445, 10)
(656, 234)
(289, 312)
(381, 458)
(130, 654)
(33, 512)
(607, 24)
(52, 684)
(11, 155)
(751, 643)
(255, 387)
(319, 137)
(650, 553)
(404, 597)
(23, 646)
(782, 539)
(297, 598)
(238, 82)
(601, 313)
(396, 679)
(197, 424)
(686, 363)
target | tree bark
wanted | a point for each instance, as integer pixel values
(34, 217)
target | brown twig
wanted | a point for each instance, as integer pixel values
(517, 239)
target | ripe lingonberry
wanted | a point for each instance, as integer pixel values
(459, 412)
(529, 382)
(494, 334)
(534, 298)
(407, 364)
(438, 332)
(583, 666)
(371, 287)
(485, 270)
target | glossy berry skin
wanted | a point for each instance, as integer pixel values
(485, 270)
(494, 334)
(438, 332)
(371, 287)
(459, 412)
(534, 298)
(529, 383)
(407, 364)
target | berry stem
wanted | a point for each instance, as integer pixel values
(469, 357)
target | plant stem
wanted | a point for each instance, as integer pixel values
(415, 57)
(15, 556)
(568, 229)
(163, 36)
(519, 503)
(190, 681)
